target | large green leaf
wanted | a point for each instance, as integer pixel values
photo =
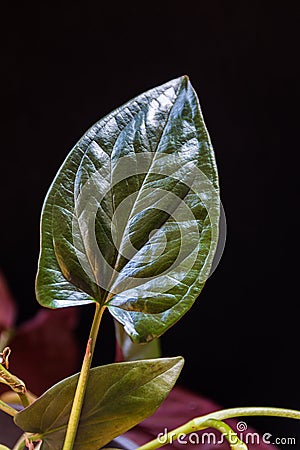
(118, 397)
(131, 219)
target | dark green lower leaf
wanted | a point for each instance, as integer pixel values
(118, 397)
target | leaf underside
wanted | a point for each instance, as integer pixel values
(118, 396)
(123, 222)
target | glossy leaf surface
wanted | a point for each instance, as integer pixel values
(118, 397)
(131, 219)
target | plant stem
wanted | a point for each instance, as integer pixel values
(15, 384)
(82, 381)
(230, 435)
(7, 409)
(21, 443)
(24, 399)
(203, 422)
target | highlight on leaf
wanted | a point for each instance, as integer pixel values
(131, 219)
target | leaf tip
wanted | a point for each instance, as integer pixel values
(178, 362)
(185, 80)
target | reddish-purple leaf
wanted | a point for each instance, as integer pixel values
(44, 349)
(8, 310)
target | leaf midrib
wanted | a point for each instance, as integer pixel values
(118, 255)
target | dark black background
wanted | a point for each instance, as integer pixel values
(66, 67)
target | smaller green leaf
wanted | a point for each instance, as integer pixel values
(3, 447)
(118, 397)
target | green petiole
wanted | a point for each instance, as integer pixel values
(214, 420)
(82, 381)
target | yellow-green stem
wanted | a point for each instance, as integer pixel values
(21, 443)
(203, 422)
(7, 409)
(82, 381)
(25, 400)
(15, 384)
